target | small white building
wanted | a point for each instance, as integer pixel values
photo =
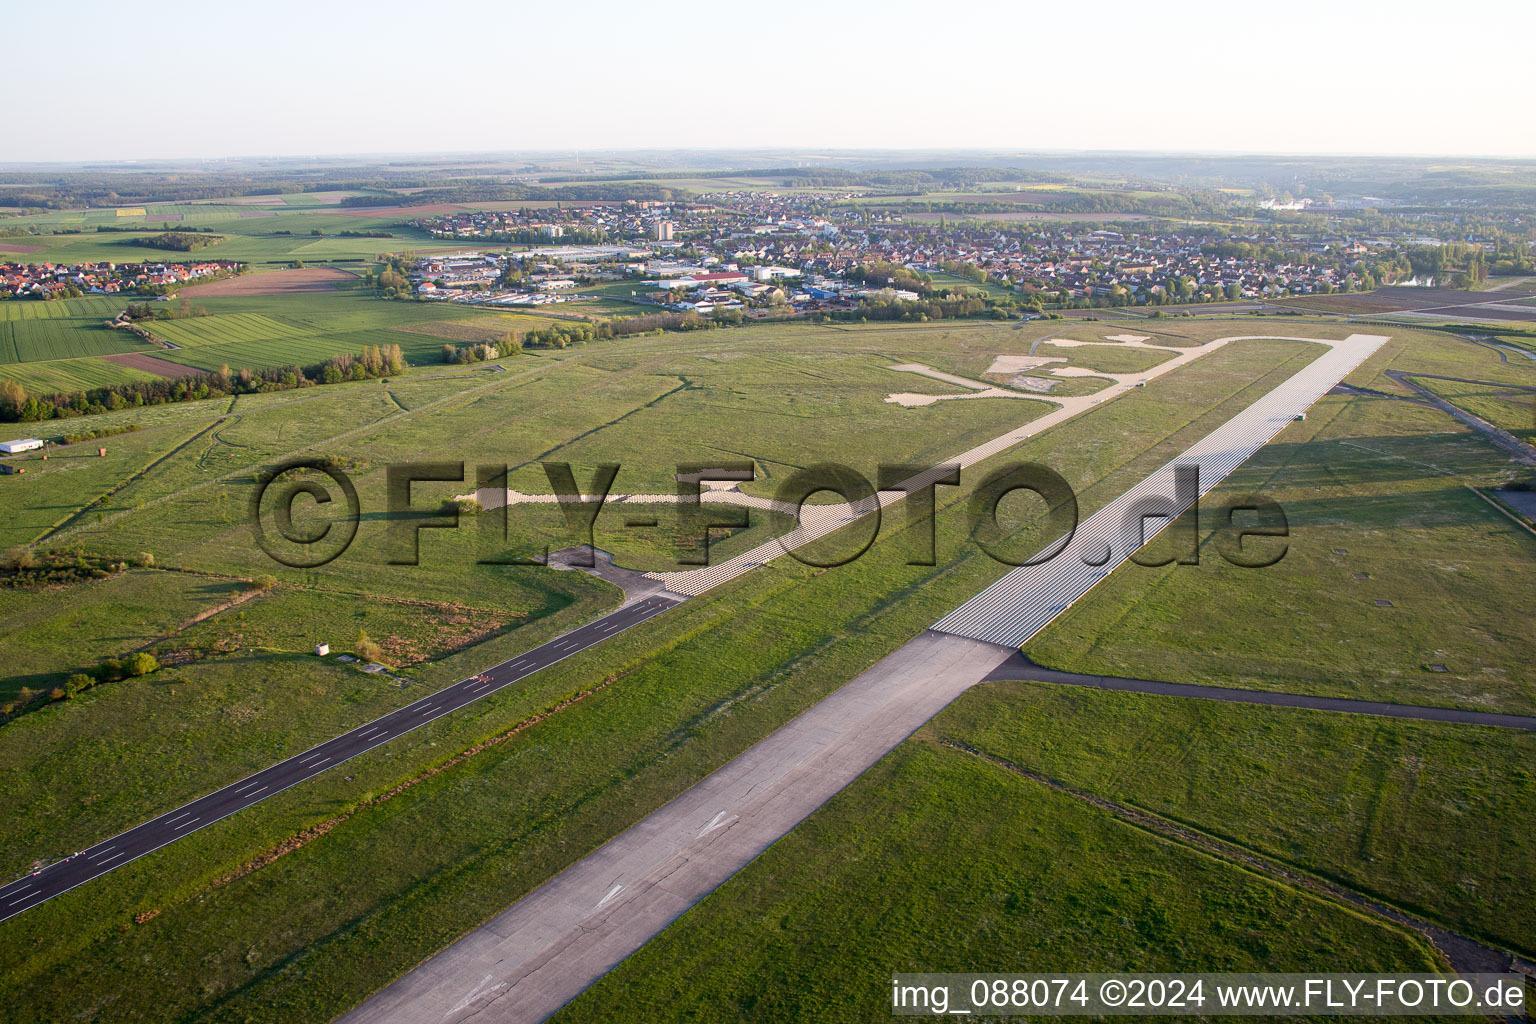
(26, 444)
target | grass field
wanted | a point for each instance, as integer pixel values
(934, 861)
(380, 877)
(1422, 815)
(1374, 492)
(938, 860)
(106, 618)
(1509, 409)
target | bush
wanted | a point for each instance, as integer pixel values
(78, 683)
(141, 664)
(367, 649)
(465, 506)
(57, 693)
(144, 560)
(110, 670)
(20, 557)
(264, 583)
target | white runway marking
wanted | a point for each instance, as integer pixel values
(186, 823)
(715, 823)
(611, 894)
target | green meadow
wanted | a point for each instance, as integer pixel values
(1396, 584)
(396, 854)
(934, 861)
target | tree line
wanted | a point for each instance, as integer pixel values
(176, 241)
(17, 406)
(564, 335)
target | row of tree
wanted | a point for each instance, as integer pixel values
(564, 335)
(478, 353)
(16, 405)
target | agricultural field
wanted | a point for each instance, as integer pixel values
(227, 328)
(29, 341)
(41, 343)
(69, 328)
(259, 240)
(99, 307)
(53, 375)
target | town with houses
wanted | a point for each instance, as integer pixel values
(59, 280)
(776, 254)
(741, 250)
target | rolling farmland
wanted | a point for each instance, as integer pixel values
(254, 331)
(227, 328)
(35, 331)
(38, 340)
(96, 306)
(69, 374)
(304, 351)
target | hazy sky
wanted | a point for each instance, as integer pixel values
(130, 81)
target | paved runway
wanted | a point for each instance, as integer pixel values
(527, 962)
(1020, 604)
(544, 950)
(61, 876)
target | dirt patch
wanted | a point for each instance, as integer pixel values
(150, 364)
(20, 250)
(278, 282)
